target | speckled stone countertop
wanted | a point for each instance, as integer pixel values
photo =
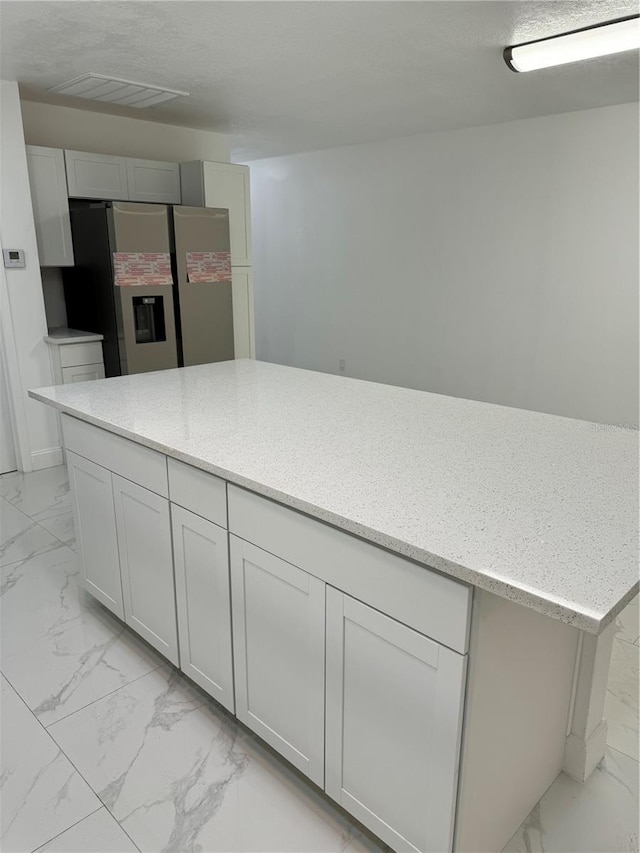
(61, 335)
(539, 509)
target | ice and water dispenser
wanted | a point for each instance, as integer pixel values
(148, 319)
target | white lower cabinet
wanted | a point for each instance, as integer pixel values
(95, 523)
(201, 560)
(278, 644)
(394, 715)
(146, 564)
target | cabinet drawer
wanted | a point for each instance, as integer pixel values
(82, 373)
(73, 355)
(421, 598)
(202, 493)
(133, 461)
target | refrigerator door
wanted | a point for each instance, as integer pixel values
(145, 312)
(203, 259)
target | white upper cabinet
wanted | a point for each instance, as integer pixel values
(96, 176)
(153, 181)
(222, 185)
(48, 184)
(394, 717)
(113, 178)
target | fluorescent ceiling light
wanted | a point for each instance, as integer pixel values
(599, 40)
(113, 90)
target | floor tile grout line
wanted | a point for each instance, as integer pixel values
(81, 775)
(55, 536)
(86, 781)
(40, 517)
(100, 698)
(628, 642)
(53, 837)
(57, 545)
(60, 751)
(620, 752)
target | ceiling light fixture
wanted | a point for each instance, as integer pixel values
(113, 90)
(587, 43)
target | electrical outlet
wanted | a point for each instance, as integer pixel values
(342, 365)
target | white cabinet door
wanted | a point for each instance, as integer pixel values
(95, 524)
(278, 646)
(243, 328)
(394, 717)
(82, 373)
(48, 182)
(153, 181)
(201, 559)
(227, 185)
(144, 544)
(96, 176)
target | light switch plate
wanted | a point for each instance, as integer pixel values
(13, 258)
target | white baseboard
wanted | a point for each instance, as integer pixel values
(582, 757)
(46, 458)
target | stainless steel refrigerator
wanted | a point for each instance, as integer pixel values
(155, 281)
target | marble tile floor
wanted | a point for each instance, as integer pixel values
(108, 749)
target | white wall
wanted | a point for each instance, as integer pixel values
(85, 130)
(22, 320)
(53, 291)
(496, 263)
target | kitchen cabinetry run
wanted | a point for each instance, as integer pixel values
(105, 176)
(48, 183)
(278, 640)
(367, 707)
(394, 718)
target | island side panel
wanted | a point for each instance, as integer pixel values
(519, 690)
(587, 734)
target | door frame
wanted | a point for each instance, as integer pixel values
(17, 409)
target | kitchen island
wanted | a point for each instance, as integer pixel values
(409, 596)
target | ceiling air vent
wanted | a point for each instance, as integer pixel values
(112, 90)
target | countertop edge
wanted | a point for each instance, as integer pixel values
(589, 621)
(89, 338)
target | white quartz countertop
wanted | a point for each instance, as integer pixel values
(60, 336)
(539, 509)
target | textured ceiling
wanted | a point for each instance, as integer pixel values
(282, 77)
